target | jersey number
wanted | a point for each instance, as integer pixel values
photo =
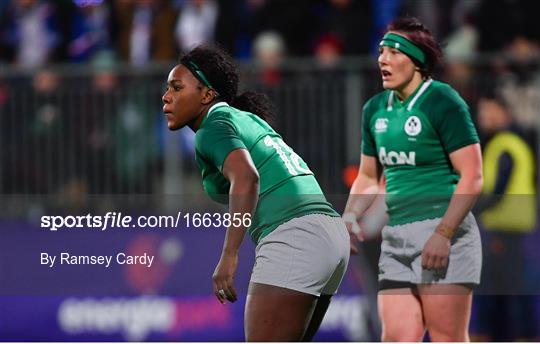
(292, 162)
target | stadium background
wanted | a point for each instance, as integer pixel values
(82, 131)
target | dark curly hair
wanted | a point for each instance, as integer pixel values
(420, 35)
(222, 73)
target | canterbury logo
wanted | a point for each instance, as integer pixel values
(396, 158)
(381, 124)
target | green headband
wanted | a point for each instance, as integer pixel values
(405, 46)
(198, 73)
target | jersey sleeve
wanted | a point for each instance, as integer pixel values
(216, 140)
(368, 143)
(455, 127)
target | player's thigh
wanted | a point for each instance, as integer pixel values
(277, 314)
(400, 312)
(447, 311)
(323, 302)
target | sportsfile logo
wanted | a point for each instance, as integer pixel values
(396, 158)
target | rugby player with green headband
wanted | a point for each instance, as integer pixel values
(272, 193)
(421, 132)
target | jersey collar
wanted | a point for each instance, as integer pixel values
(411, 100)
(215, 106)
(212, 108)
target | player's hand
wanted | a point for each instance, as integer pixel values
(353, 238)
(223, 278)
(355, 232)
(436, 252)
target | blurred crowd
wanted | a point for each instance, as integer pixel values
(487, 46)
(37, 32)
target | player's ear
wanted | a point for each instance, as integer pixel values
(209, 96)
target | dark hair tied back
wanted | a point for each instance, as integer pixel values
(221, 72)
(256, 103)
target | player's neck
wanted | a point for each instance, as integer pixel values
(197, 122)
(405, 92)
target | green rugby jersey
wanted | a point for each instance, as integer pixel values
(288, 188)
(412, 140)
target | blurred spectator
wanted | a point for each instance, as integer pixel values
(134, 138)
(426, 11)
(29, 30)
(33, 134)
(47, 130)
(233, 26)
(287, 18)
(235, 35)
(4, 95)
(508, 214)
(382, 12)
(462, 42)
(90, 30)
(145, 30)
(460, 72)
(520, 80)
(98, 110)
(500, 22)
(463, 13)
(459, 52)
(269, 52)
(196, 23)
(350, 22)
(118, 131)
(14, 125)
(328, 51)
